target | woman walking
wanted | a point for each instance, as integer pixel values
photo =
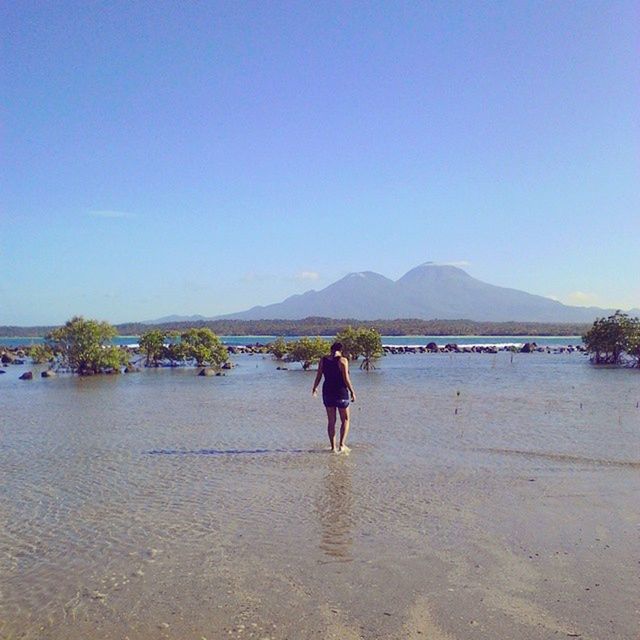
(336, 390)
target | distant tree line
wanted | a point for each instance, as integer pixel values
(317, 326)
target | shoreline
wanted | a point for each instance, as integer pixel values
(416, 340)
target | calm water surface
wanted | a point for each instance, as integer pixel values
(483, 498)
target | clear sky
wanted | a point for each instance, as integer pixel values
(185, 157)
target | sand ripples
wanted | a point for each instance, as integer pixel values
(118, 492)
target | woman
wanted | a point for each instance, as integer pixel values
(335, 393)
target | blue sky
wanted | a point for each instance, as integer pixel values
(162, 158)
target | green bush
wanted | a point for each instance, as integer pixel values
(204, 347)
(152, 345)
(370, 346)
(278, 348)
(609, 339)
(363, 341)
(349, 339)
(308, 350)
(84, 346)
(40, 353)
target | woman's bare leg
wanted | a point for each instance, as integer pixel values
(331, 426)
(344, 428)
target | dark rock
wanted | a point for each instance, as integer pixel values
(7, 358)
(206, 371)
(432, 346)
(2, 371)
(27, 375)
(452, 347)
(48, 374)
(227, 365)
(131, 369)
(528, 347)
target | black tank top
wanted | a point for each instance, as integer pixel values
(333, 378)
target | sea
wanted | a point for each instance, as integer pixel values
(484, 496)
(132, 341)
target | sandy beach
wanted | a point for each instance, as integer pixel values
(482, 498)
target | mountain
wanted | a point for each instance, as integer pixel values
(428, 291)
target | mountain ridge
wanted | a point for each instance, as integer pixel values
(428, 291)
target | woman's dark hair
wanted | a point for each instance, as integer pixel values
(336, 346)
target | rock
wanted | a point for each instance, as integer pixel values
(206, 371)
(27, 375)
(227, 365)
(2, 371)
(131, 369)
(48, 374)
(452, 347)
(432, 346)
(528, 347)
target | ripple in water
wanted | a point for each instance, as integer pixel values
(133, 502)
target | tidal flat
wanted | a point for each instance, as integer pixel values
(485, 496)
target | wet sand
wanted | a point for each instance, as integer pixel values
(481, 499)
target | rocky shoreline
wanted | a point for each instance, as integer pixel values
(20, 356)
(527, 347)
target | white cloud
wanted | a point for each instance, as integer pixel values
(308, 275)
(581, 298)
(455, 263)
(107, 213)
(552, 297)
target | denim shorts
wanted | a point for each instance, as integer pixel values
(332, 401)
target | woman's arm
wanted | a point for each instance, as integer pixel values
(344, 367)
(316, 382)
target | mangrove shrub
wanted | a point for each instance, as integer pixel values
(278, 348)
(363, 341)
(152, 345)
(84, 346)
(203, 346)
(307, 350)
(610, 339)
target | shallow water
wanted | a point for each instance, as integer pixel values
(482, 498)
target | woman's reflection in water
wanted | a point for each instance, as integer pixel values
(334, 506)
